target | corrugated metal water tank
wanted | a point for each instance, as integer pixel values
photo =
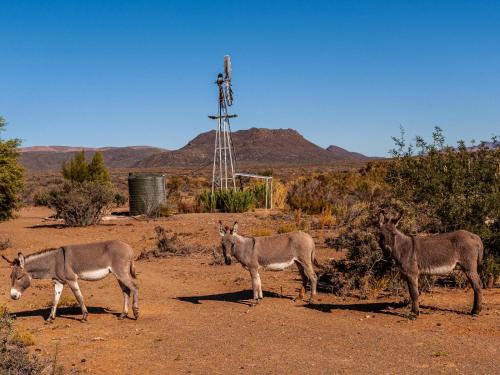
(146, 192)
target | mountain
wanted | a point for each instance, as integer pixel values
(342, 153)
(255, 146)
(51, 158)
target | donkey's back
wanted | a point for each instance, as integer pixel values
(439, 253)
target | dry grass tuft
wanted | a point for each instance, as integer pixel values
(261, 232)
(22, 338)
(287, 228)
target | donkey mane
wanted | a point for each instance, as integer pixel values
(41, 252)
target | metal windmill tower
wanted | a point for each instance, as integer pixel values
(224, 164)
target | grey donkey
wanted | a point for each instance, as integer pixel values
(271, 252)
(436, 254)
(68, 264)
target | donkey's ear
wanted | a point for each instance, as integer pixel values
(222, 232)
(235, 228)
(20, 258)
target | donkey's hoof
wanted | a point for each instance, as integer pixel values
(411, 315)
(136, 313)
(49, 320)
(475, 313)
(122, 316)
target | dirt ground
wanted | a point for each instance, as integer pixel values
(196, 318)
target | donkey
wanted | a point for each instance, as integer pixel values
(437, 254)
(68, 264)
(274, 253)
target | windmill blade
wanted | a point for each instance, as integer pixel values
(229, 93)
(228, 70)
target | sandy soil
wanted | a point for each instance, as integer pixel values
(196, 318)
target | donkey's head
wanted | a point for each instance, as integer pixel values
(388, 231)
(228, 240)
(20, 280)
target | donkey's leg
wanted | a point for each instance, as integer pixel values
(308, 268)
(58, 288)
(256, 284)
(475, 282)
(79, 297)
(126, 295)
(130, 283)
(413, 289)
(304, 281)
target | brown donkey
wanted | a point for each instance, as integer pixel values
(437, 254)
(273, 253)
(68, 264)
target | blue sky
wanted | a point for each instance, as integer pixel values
(349, 73)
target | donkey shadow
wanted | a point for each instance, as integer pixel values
(72, 312)
(243, 297)
(376, 307)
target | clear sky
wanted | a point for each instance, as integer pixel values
(98, 73)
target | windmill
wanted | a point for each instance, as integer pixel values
(224, 164)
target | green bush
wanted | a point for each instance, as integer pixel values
(226, 201)
(11, 175)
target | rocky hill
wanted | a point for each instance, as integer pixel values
(255, 146)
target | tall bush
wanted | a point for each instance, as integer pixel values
(11, 175)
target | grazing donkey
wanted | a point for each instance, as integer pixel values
(68, 264)
(433, 255)
(273, 253)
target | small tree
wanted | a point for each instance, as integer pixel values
(97, 170)
(11, 175)
(77, 170)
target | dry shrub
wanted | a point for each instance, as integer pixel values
(170, 245)
(81, 204)
(297, 216)
(326, 219)
(5, 244)
(262, 232)
(15, 358)
(286, 228)
(280, 193)
(187, 205)
(217, 257)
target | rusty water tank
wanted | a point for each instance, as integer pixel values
(146, 192)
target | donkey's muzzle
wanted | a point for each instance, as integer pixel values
(227, 260)
(15, 294)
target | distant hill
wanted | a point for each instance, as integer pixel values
(253, 146)
(340, 152)
(50, 158)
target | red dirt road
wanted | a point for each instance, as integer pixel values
(196, 318)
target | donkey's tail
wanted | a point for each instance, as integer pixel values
(314, 260)
(132, 270)
(480, 255)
